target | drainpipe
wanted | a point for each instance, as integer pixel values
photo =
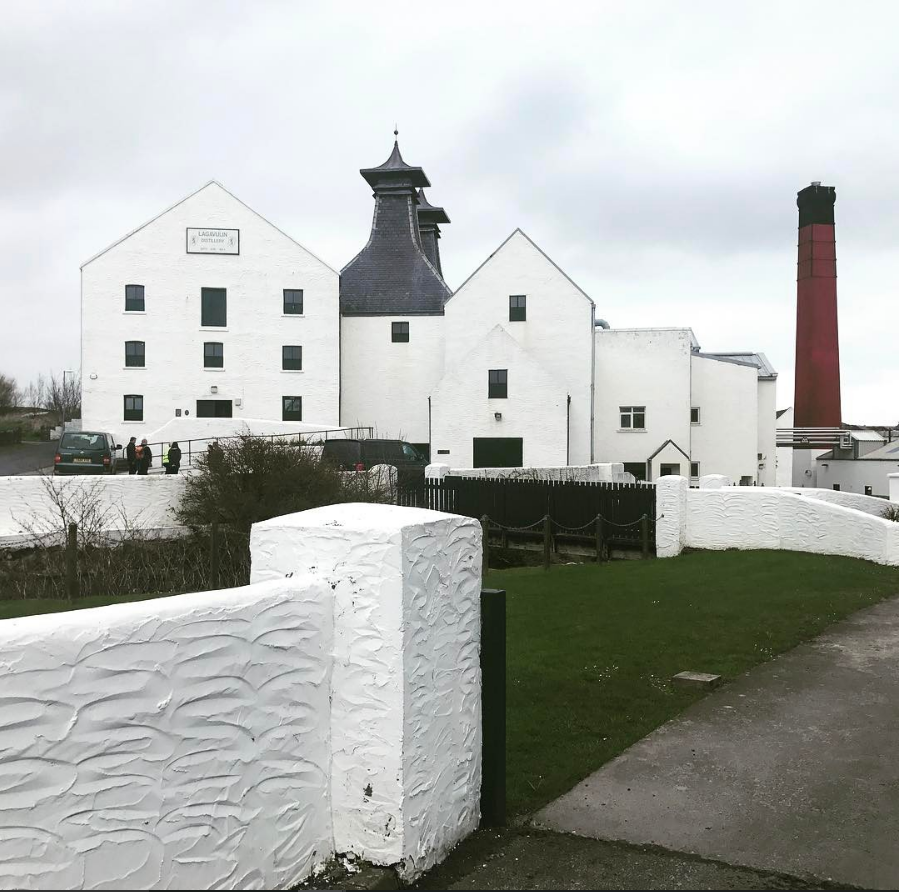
(568, 432)
(592, 380)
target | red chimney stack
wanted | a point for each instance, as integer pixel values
(817, 396)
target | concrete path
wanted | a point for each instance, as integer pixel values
(29, 457)
(793, 768)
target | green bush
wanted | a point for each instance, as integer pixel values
(249, 479)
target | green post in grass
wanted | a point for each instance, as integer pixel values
(493, 707)
(72, 562)
(547, 541)
(598, 538)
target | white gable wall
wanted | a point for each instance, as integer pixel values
(535, 409)
(558, 332)
(385, 384)
(767, 431)
(174, 377)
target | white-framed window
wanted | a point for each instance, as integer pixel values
(633, 417)
(694, 469)
(694, 415)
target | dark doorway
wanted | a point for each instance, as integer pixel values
(665, 470)
(498, 452)
(213, 408)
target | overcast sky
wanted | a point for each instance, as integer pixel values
(653, 150)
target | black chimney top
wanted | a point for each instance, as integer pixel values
(815, 203)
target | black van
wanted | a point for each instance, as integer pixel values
(360, 455)
(86, 452)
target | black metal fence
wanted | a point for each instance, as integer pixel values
(518, 505)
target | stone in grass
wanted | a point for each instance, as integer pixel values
(697, 680)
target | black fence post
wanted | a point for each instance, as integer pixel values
(547, 541)
(485, 545)
(644, 534)
(599, 543)
(214, 555)
(72, 562)
(493, 707)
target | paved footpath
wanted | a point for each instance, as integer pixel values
(792, 768)
(27, 458)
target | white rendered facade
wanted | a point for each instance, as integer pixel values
(173, 376)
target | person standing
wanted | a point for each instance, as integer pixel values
(173, 455)
(131, 455)
(146, 457)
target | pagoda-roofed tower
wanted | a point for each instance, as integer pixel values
(429, 218)
(392, 275)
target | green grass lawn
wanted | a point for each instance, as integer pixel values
(591, 649)
(32, 606)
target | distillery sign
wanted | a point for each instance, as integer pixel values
(213, 241)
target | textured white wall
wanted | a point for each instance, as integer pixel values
(767, 431)
(894, 487)
(558, 332)
(174, 376)
(147, 502)
(867, 504)
(854, 476)
(610, 472)
(748, 517)
(726, 439)
(535, 410)
(642, 367)
(167, 744)
(405, 719)
(387, 385)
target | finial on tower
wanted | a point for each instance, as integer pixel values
(396, 132)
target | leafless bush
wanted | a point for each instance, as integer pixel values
(891, 512)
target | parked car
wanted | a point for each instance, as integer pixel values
(360, 455)
(86, 452)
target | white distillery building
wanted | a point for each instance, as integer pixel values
(210, 311)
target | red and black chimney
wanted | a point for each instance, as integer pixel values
(817, 395)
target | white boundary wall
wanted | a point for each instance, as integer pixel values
(606, 472)
(235, 739)
(766, 517)
(148, 502)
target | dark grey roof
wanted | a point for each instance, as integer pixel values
(757, 360)
(391, 276)
(429, 213)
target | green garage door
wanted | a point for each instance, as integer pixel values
(498, 452)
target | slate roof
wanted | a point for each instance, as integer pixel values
(391, 276)
(428, 213)
(759, 360)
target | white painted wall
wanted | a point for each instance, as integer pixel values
(854, 475)
(174, 377)
(147, 502)
(610, 472)
(558, 332)
(756, 517)
(173, 743)
(642, 367)
(727, 437)
(405, 712)
(867, 504)
(535, 410)
(387, 385)
(767, 431)
(894, 487)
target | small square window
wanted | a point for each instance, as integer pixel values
(291, 408)
(633, 417)
(134, 298)
(498, 384)
(869, 490)
(134, 407)
(518, 307)
(293, 301)
(399, 332)
(214, 307)
(694, 415)
(134, 354)
(694, 469)
(213, 355)
(836, 487)
(292, 358)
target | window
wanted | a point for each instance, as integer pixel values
(498, 384)
(213, 355)
(633, 417)
(214, 309)
(213, 408)
(292, 358)
(836, 487)
(518, 307)
(869, 490)
(694, 416)
(134, 354)
(291, 408)
(399, 332)
(293, 301)
(694, 468)
(134, 407)
(134, 298)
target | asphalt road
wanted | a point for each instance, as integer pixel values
(27, 458)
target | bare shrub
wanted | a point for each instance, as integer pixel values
(891, 512)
